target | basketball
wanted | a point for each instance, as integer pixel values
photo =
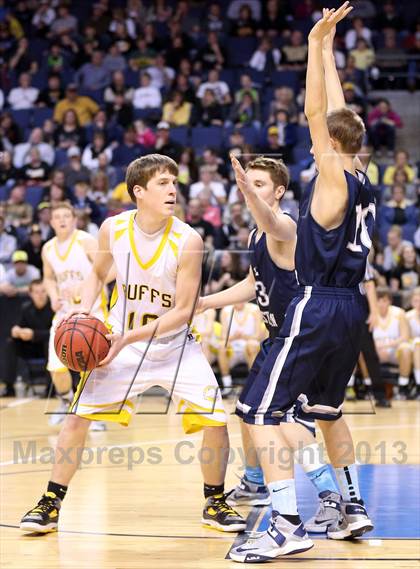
(81, 342)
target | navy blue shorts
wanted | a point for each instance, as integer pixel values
(293, 415)
(312, 359)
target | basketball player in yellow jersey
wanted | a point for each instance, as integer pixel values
(67, 261)
(158, 262)
(241, 336)
(413, 317)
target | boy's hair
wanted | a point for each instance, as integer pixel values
(141, 170)
(384, 293)
(277, 169)
(35, 282)
(345, 126)
(64, 205)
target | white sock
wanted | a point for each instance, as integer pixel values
(67, 396)
(403, 381)
(227, 380)
(351, 381)
(368, 381)
(417, 376)
(348, 482)
(283, 497)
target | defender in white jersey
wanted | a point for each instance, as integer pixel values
(67, 262)
(158, 263)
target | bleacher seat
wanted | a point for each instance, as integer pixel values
(40, 115)
(181, 135)
(301, 153)
(34, 195)
(240, 50)
(152, 114)
(303, 136)
(286, 79)
(60, 157)
(206, 137)
(22, 117)
(4, 193)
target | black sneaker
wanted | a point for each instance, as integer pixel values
(44, 517)
(217, 514)
(384, 403)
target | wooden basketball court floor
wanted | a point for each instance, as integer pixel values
(148, 516)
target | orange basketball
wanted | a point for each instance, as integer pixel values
(81, 343)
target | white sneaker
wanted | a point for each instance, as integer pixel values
(98, 426)
(59, 414)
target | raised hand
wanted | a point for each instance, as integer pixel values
(241, 178)
(329, 20)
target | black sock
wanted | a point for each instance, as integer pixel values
(58, 489)
(295, 520)
(213, 490)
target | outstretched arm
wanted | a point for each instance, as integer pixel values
(330, 195)
(335, 96)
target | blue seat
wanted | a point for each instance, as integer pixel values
(258, 77)
(203, 137)
(123, 155)
(60, 157)
(240, 50)
(251, 135)
(152, 114)
(97, 95)
(22, 117)
(286, 79)
(181, 135)
(303, 136)
(40, 115)
(301, 153)
(4, 193)
(34, 195)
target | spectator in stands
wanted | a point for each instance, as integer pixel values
(207, 182)
(90, 156)
(247, 87)
(383, 122)
(128, 150)
(281, 138)
(94, 76)
(84, 107)
(43, 220)
(69, 133)
(144, 134)
(388, 17)
(106, 168)
(246, 112)
(211, 213)
(356, 32)
(273, 21)
(393, 250)
(113, 60)
(227, 272)
(369, 165)
(43, 18)
(82, 201)
(56, 194)
(52, 94)
(295, 54)
(392, 335)
(19, 276)
(209, 112)
(212, 159)
(18, 211)
(161, 75)
(21, 155)
(74, 171)
(177, 111)
(398, 211)
(64, 23)
(265, 58)
(214, 21)
(244, 25)
(33, 246)
(284, 100)
(22, 61)
(146, 96)
(100, 188)
(391, 62)
(24, 96)
(29, 337)
(119, 112)
(401, 162)
(212, 54)
(406, 276)
(235, 6)
(363, 54)
(119, 198)
(165, 144)
(55, 61)
(36, 172)
(354, 101)
(219, 88)
(8, 173)
(143, 56)
(195, 219)
(8, 244)
(10, 134)
(228, 232)
(118, 87)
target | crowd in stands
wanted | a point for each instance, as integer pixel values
(86, 87)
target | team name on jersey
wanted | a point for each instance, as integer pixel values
(147, 293)
(269, 318)
(64, 276)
